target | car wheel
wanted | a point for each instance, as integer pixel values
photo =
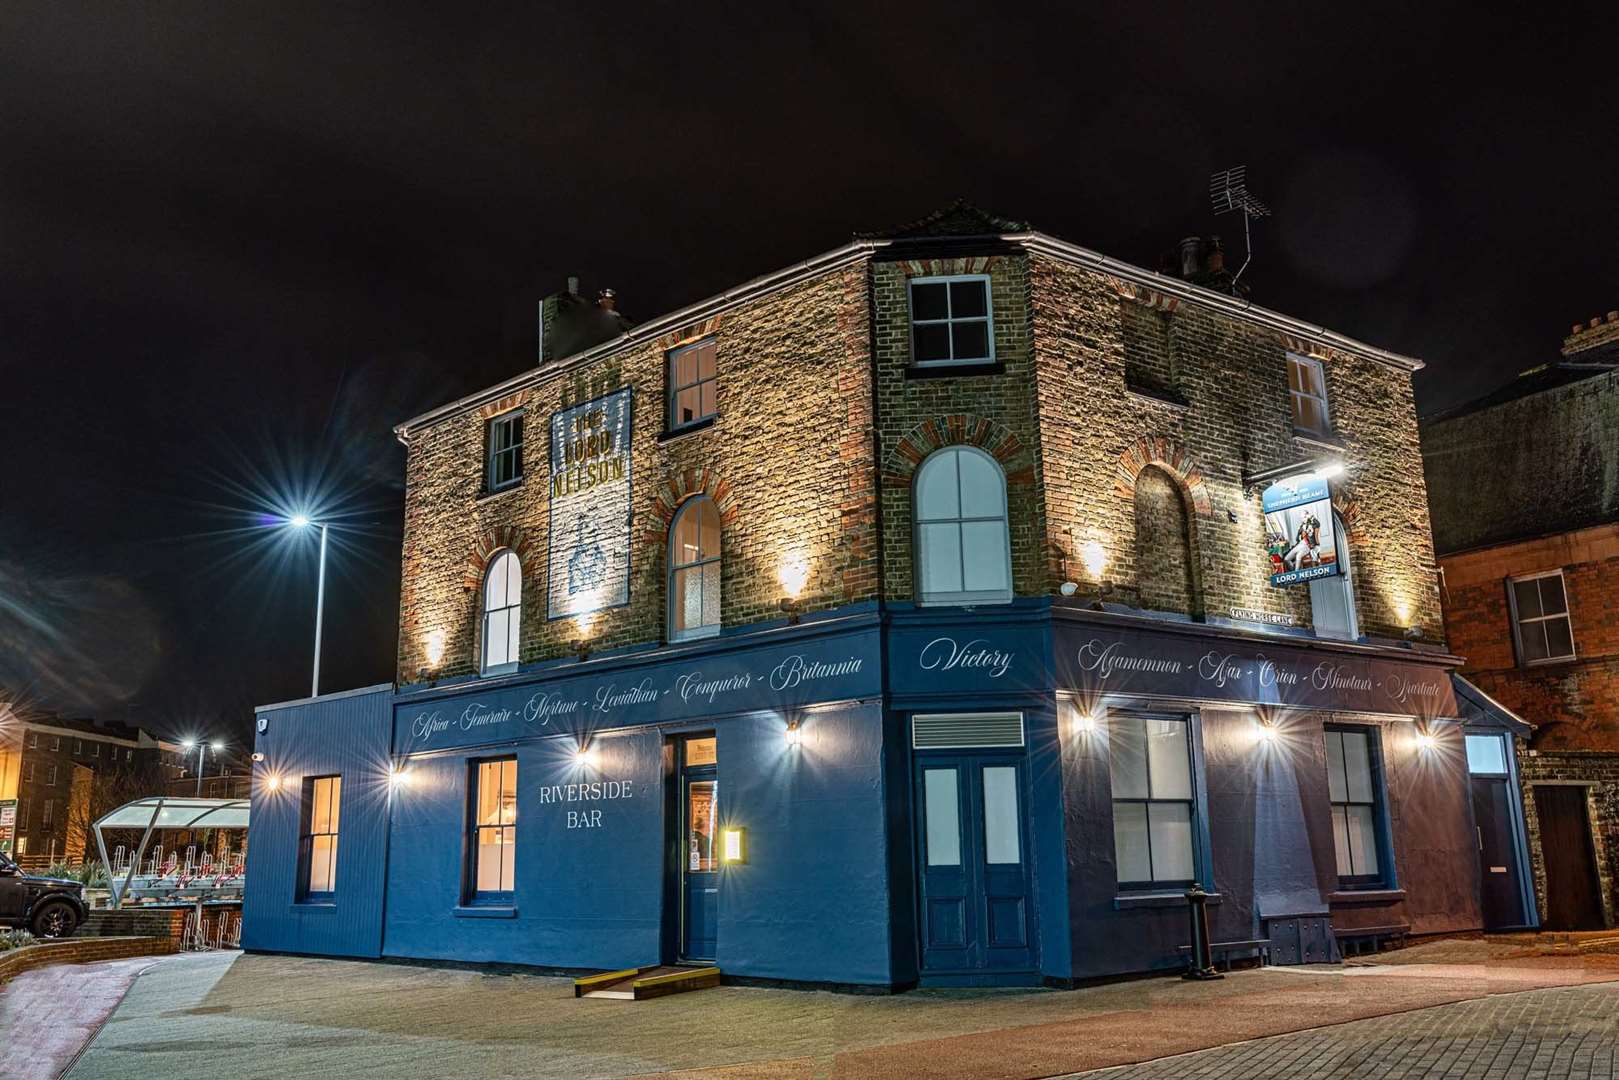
(54, 919)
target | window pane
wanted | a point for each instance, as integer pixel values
(508, 859)
(688, 405)
(705, 359)
(488, 781)
(1552, 600)
(494, 590)
(1527, 593)
(508, 792)
(971, 340)
(1295, 375)
(687, 598)
(982, 489)
(941, 559)
(708, 528)
(1358, 765)
(942, 810)
(1001, 815)
(1169, 762)
(1533, 636)
(334, 788)
(320, 863)
(1307, 414)
(711, 595)
(1486, 754)
(497, 638)
(1337, 788)
(514, 579)
(967, 299)
(1130, 841)
(1362, 839)
(1559, 642)
(983, 548)
(701, 812)
(1170, 826)
(685, 367)
(1128, 751)
(702, 751)
(489, 847)
(709, 394)
(936, 491)
(929, 301)
(514, 632)
(1340, 840)
(932, 342)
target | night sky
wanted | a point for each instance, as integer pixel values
(239, 242)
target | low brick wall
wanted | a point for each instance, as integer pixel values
(135, 922)
(82, 951)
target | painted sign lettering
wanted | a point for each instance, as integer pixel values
(590, 506)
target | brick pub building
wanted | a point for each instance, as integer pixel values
(936, 610)
(1524, 486)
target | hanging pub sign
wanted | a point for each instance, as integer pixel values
(590, 506)
(1300, 542)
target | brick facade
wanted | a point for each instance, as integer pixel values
(823, 421)
(1599, 772)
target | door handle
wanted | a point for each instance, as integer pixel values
(1477, 829)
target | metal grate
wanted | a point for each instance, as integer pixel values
(959, 731)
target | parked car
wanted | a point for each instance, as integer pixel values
(47, 907)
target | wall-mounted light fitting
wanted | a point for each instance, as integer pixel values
(795, 733)
(734, 846)
(586, 755)
(1325, 468)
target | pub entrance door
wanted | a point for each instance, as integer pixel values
(1573, 901)
(976, 916)
(697, 849)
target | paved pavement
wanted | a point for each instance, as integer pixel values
(226, 1014)
(38, 1037)
(1570, 1032)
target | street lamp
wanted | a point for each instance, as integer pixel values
(301, 521)
(202, 747)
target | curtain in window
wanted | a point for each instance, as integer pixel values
(694, 570)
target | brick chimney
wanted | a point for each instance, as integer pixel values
(1598, 333)
(569, 323)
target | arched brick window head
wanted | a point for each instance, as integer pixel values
(502, 613)
(1166, 562)
(694, 570)
(963, 550)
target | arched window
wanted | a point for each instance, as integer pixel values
(1166, 569)
(1332, 599)
(694, 570)
(963, 554)
(502, 612)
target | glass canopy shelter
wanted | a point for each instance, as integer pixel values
(164, 813)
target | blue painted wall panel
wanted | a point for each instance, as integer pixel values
(345, 735)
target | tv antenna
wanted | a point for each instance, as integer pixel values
(1228, 191)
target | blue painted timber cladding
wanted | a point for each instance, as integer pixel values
(345, 735)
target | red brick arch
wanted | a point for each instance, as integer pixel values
(1349, 510)
(499, 538)
(958, 429)
(682, 486)
(1169, 455)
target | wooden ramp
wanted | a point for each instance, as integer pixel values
(639, 984)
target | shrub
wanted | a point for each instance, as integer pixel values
(90, 874)
(15, 939)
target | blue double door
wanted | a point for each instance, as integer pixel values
(976, 911)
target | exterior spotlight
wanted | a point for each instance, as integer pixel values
(584, 755)
(795, 734)
(794, 609)
(1265, 733)
(434, 648)
(734, 846)
(1331, 470)
(1068, 588)
(1426, 741)
(1094, 556)
(299, 521)
(272, 782)
(1413, 632)
(399, 776)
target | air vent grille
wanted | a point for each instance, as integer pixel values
(961, 731)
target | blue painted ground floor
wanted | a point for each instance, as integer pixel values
(883, 799)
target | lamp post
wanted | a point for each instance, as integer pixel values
(301, 521)
(202, 748)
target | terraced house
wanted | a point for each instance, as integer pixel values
(937, 610)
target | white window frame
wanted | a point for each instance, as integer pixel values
(988, 319)
(1517, 623)
(965, 597)
(510, 420)
(50, 777)
(28, 772)
(675, 566)
(1312, 364)
(673, 388)
(1192, 801)
(517, 609)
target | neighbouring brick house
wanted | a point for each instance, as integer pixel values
(934, 610)
(58, 774)
(1525, 492)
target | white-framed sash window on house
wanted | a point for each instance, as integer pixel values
(502, 613)
(693, 381)
(1307, 391)
(1150, 765)
(1540, 622)
(505, 451)
(494, 849)
(1353, 787)
(951, 322)
(963, 550)
(694, 570)
(317, 841)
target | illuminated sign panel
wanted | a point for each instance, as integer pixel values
(1300, 542)
(590, 507)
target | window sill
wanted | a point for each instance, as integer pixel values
(1550, 661)
(688, 429)
(947, 371)
(1366, 896)
(313, 907)
(1129, 901)
(483, 911)
(491, 496)
(497, 669)
(1316, 438)
(1158, 397)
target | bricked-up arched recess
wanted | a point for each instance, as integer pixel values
(958, 429)
(680, 487)
(1167, 571)
(1349, 510)
(493, 540)
(1170, 456)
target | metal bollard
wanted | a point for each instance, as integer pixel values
(1202, 958)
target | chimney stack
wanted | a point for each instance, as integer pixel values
(1600, 332)
(607, 300)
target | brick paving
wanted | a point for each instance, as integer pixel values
(1567, 1032)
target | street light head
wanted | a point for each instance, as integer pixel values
(188, 743)
(216, 746)
(299, 521)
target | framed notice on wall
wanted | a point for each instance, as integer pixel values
(1300, 542)
(589, 564)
